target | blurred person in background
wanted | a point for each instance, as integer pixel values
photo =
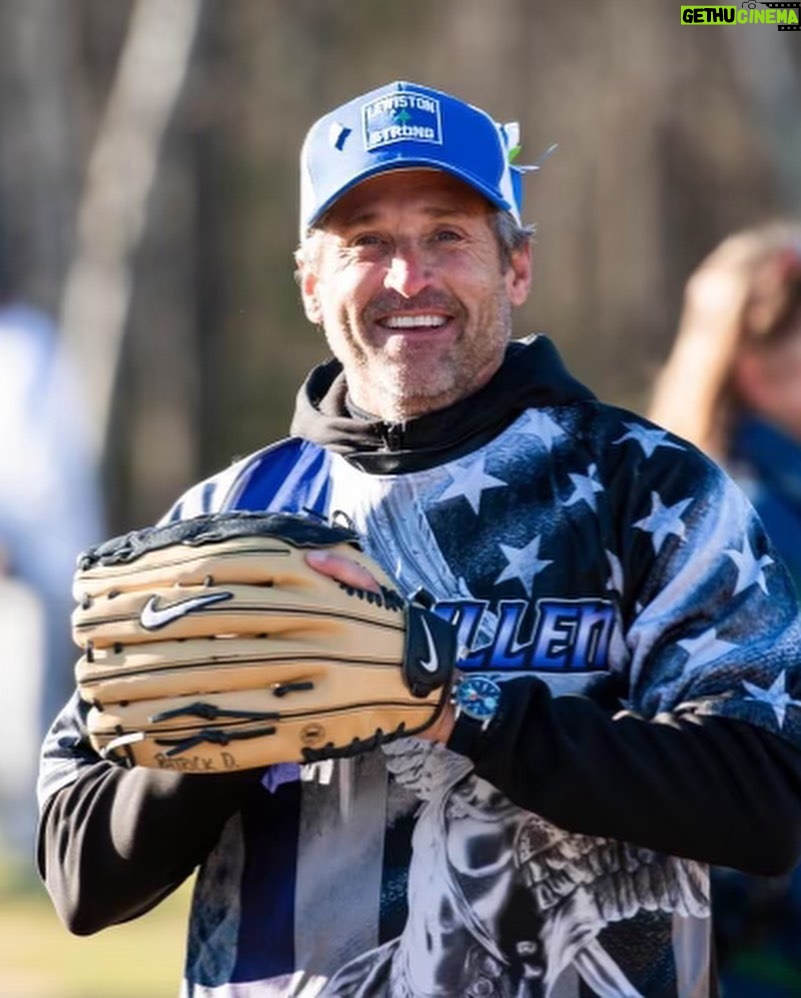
(50, 506)
(732, 386)
(732, 383)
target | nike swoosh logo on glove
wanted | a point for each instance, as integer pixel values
(430, 664)
(152, 616)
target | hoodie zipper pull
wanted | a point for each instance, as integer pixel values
(392, 435)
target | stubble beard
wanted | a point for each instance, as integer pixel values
(399, 385)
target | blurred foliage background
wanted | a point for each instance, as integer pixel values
(148, 202)
(669, 136)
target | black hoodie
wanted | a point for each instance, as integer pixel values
(531, 375)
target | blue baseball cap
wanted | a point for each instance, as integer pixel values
(403, 126)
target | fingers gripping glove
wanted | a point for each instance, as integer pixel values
(210, 645)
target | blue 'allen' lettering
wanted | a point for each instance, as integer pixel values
(564, 635)
(573, 635)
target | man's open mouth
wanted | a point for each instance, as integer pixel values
(414, 321)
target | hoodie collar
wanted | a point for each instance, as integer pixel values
(532, 374)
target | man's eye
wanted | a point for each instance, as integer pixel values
(367, 239)
(447, 236)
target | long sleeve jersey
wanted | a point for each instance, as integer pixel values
(645, 636)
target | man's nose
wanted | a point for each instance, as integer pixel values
(408, 272)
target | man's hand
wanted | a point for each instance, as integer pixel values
(343, 569)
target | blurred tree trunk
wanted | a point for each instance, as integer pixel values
(118, 183)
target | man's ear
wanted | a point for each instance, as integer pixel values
(307, 282)
(518, 276)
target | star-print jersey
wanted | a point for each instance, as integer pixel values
(581, 549)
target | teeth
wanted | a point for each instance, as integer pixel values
(410, 321)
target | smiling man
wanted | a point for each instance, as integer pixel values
(407, 281)
(625, 707)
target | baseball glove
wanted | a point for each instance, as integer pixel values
(211, 645)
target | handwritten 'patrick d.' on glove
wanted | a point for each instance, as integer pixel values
(211, 645)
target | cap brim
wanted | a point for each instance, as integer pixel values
(416, 163)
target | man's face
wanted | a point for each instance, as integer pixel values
(405, 278)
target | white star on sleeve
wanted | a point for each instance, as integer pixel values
(539, 424)
(705, 648)
(523, 564)
(750, 571)
(663, 520)
(585, 487)
(775, 697)
(471, 482)
(648, 438)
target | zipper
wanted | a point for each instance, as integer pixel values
(392, 435)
